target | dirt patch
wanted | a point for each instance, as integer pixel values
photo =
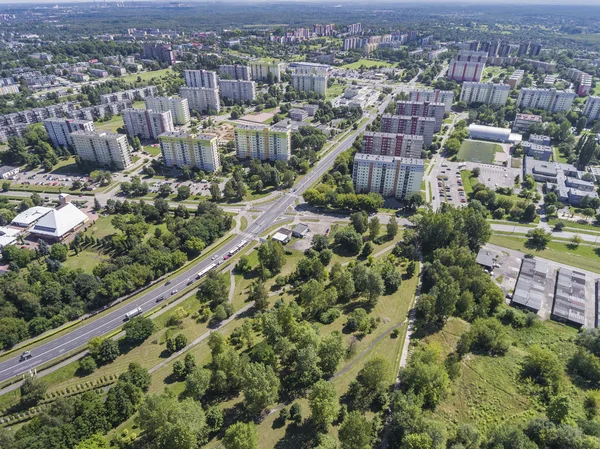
(260, 117)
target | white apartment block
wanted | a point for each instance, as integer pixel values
(389, 144)
(390, 176)
(180, 111)
(238, 91)
(434, 96)
(200, 78)
(235, 72)
(486, 93)
(423, 109)
(201, 99)
(403, 124)
(310, 82)
(465, 70)
(102, 149)
(180, 149)
(260, 69)
(592, 108)
(263, 142)
(551, 100)
(146, 123)
(59, 130)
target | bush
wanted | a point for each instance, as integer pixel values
(296, 413)
(87, 365)
(177, 343)
(329, 316)
(485, 335)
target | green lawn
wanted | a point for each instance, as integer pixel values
(367, 63)
(584, 257)
(154, 151)
(146, 76)
(86, 260)
(576, 225)
(102, 227)
(112, 125)
(335, 90)
(467, 180)
(477, 151)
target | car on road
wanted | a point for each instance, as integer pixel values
(214, 257)
(160, 298)
(167, 283)
(225, 257)
(173, 292)
(26, 355)
(190, 281)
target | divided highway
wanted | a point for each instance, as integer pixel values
(79, 337)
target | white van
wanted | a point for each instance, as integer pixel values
(133, 313)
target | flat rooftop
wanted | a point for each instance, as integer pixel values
(569, 297)
(531, 285)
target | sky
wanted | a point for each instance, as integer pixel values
(475, 2)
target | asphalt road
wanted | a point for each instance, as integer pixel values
(102, 325)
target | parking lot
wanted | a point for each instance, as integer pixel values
(496, 176)
(50, 180)
(450, 188)
(196, 188)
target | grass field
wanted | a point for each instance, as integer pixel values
(335, 90)
(367, 63)
(86, 260)
(477, 151)
(146, 76)
(111, 125)
(584, 257)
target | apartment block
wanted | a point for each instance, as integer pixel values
(389, 176)
(146, 123)
(423, 109)
(8, 86)
(472, 56)
(486, 93)
(514, 80)
(389, 144)
(465, 70)
(238, 91)
(548, 99)
(159, 51)
(261, 69)
(179, 107)
(59, 130)
(180, 149)
(433, 96)
(309, 77)
(263, 142)
(544, 66)
(131, 94)
(592, 108)
(200, 78)
(103, 149)
(403, 124)
(235, 72)
(202, 99)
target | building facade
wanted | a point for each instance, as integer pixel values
(465, 70)
(260, 70)
(403, 124)
(181, 149)
(422, 109)
(235, 72)
(486, 93)
(102, 149)
(263, 142)
(433, 96)
(202, 99)
(200, 78)
(389, 144)
(146, 123)
(159, 51)
(389, 176)
(592, 108)
(59, 130)
(524, 121)
(180, 111)
(238, 91)
(551, 100)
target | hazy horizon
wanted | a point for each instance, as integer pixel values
(333, 2)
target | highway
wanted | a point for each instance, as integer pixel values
(98, 326)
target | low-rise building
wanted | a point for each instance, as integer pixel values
(539, 139)
(569, 297)
(298, 115)
(311, 109)
(493, 133)
(263, 142)
(180, 149)
(146, 123)
(537, 151)
(523, 122)
(102, 149)
(8, 171)
(98, 73)
(389, 176)
(60, 222)
(531, 285)
(30, 216)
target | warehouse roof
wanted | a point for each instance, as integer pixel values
(569, 297)
(529, 291)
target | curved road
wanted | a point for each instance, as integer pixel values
(100, 326)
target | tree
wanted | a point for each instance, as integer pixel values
(167, 423)
(324, 405)
(355, 432)
(138, 329)
(392, 228)
(215, 191)
(349, 240)
(6, 186)
(108, 351)
(331, 352)
(476, 172)
(164, 190)
(241, 436)
(559, 409)
(374, 228)
(183, 192)
(87, 365)
(296, 413)
(177, 343)
(417, 441)
(59, 252)
(33, 390)
(260, 386)
(197, 383)
(360, 221)
(320, 242)
(137, 375)
(543, 367)
(576, 240)
(581, 124)
(213, 290)
(271, 257)
(96, 441)
(538, 239)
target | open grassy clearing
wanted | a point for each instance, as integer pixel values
(112, 125)
(584, 257)
(477, 151)
(86, 260)
(146, 76)
(575, 225)
(335, 90)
